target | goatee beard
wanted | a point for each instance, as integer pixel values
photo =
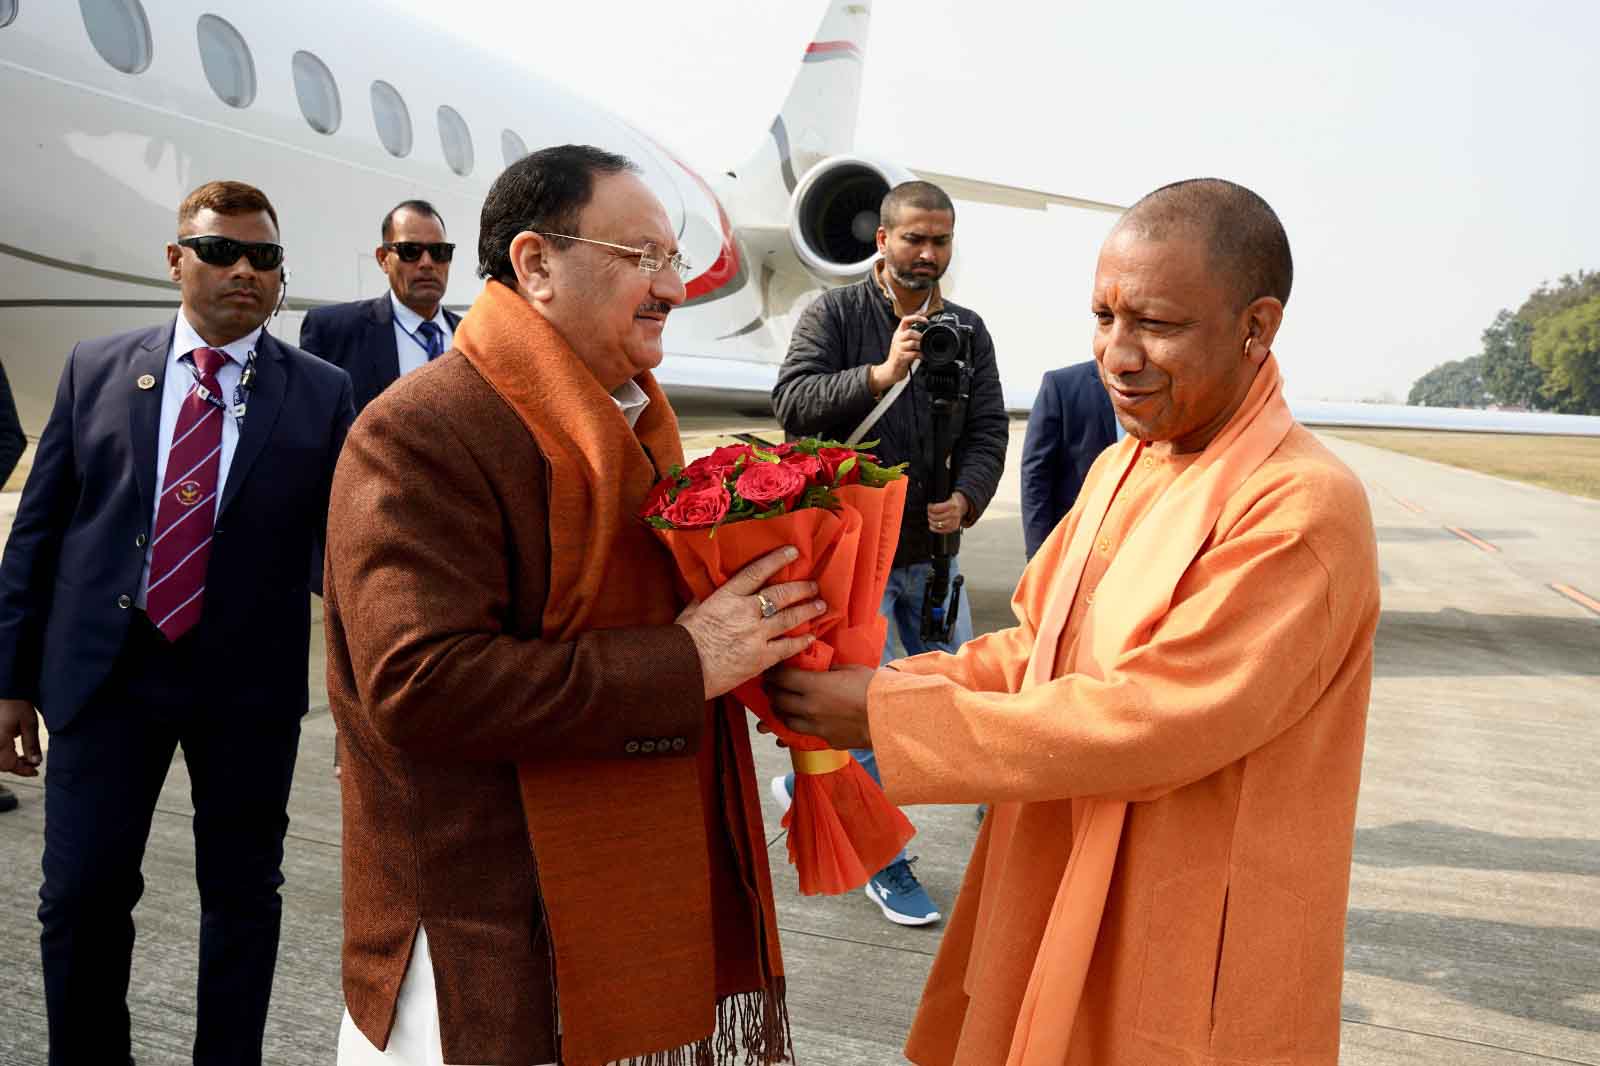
(913, 282)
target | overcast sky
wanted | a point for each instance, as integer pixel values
(1432, 161)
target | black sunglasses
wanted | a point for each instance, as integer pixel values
(411, 251)
(225, 251)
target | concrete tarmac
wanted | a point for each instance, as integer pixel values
(1475, 892)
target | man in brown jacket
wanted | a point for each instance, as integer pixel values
(553, 849)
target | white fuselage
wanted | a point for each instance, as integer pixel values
(99, 160)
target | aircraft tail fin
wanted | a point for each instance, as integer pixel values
(818, 118)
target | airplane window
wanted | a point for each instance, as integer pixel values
(512, 146)
(393, 120)
(8, 11)
(119, 32)
(318, 92)
(227, 62)
(456, 140)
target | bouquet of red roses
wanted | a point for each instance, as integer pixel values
(841, 510)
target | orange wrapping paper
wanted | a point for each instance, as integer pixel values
(841, 827)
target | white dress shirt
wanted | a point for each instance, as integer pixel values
(177, 383)
(408, 343)
(631, 401)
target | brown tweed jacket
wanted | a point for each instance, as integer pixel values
(437, 572)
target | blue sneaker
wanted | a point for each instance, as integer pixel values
(901, 897)
(783, 792)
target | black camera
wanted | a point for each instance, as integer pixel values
(945, 339)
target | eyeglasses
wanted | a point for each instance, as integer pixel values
(225, 251)
(651, 257)
(411, 251)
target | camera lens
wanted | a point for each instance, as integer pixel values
(940, 344)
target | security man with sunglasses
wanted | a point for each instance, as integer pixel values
(378, 341)
(156, 592)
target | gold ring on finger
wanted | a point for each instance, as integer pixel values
(768, 608)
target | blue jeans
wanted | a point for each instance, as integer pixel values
(902, 606)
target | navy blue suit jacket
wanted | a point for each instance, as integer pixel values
(359, 337)
(1070, 425)
(76, 551)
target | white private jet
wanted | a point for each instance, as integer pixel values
(117, 108)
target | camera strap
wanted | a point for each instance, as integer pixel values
(880, 407)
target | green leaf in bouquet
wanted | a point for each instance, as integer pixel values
(877, 477)
(675, 471)
(819, 496)
(772, 512)
(757, 452)
(657, 522)
(844, 468)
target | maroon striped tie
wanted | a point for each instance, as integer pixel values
(188, 506)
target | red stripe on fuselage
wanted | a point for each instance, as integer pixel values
(833, 46)
(726, 267)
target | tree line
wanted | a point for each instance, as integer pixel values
(1545, 356)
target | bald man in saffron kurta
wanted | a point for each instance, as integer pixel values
(1171, 735)
(1237, 727)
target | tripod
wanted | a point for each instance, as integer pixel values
(949, 387)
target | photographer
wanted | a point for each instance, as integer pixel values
(853, 347)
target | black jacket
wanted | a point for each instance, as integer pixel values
(822, 391)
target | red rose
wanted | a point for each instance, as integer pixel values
(658, 499)
(767, 484)
(833, 458)
(699, 506)
(809, 465)
(718, 465)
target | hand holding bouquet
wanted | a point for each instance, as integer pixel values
(841, 511)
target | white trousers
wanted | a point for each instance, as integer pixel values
(414, 1040)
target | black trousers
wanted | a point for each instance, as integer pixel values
(104, 774)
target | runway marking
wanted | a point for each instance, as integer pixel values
(1470, 539)
(1579, 598)
(1403, 502)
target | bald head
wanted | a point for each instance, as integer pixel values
(1242, 235)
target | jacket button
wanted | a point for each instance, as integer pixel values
(217, 532)
(124, 601)
(664, 745)
(140, 541)
(631, 747)
(648, 747)
(678, 744)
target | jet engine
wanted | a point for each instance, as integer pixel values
(833, 215)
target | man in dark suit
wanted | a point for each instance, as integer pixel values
(1070, 425)
(377, 341)
(12, 444)
(155, 592)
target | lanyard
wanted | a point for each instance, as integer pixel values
(419, 342)
(241, 391)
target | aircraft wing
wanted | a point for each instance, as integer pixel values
(988, 192)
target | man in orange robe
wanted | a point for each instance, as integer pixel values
(1172, 732)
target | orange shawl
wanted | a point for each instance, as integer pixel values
(1130, 600)
(652, 872)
